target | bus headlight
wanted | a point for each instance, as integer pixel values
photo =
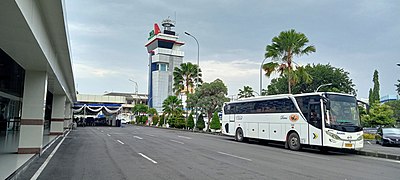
(360, 138)
(334, 136)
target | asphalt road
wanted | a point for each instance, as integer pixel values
(151, 153)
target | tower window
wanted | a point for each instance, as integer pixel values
(162, 67)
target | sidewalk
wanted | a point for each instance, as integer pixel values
(11, 162)
(376, 150)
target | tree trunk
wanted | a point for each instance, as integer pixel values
(209, 114)
(290, 90)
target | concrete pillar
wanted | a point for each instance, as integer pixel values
(68, 115)
(33, 107)
(57, 115)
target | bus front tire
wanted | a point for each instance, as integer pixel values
(239, 135)
(293, 142)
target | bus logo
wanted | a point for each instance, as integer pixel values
(294, 117)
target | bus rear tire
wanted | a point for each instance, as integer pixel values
(293, 142)
(239, 135)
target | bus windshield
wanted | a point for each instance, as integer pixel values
(343, 112)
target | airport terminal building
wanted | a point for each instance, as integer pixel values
(36, 79)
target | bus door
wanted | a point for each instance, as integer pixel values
(232, 124)
(314, 123)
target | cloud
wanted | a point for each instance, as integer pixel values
(89, 72)
(235, 74)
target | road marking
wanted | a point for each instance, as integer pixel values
(120, 142)
(137, 137)
(369, 143)
(102, 131)
(45, 149)
(151, 135)
(155, 162)
(185, 137)
(306, 155)
(234, 156)
(381, 159)
(40, 170)
(109, 128)
(177, 141)
(108, 135)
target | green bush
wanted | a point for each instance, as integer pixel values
(190, 122)
(200, 123)
(161, 121)
(369, 136)
(180, 122)
(155, 120)
(215, 122)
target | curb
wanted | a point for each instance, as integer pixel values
(378, 155)
(361, 152)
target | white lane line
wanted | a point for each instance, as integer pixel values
(40, 170)
(177, 141)
(155, 162)
(45, 149)
(369, 143)
(102, 131)
(306, 155)
(151, 135)
(381, 159)
(108, 135)
(234, 156)
(185, 137)
(109, 128)
(120, 142)
(137, 137)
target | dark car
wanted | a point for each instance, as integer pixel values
(388, 136)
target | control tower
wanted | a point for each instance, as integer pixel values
(164, 55)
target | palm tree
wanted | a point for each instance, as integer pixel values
(185, 78)
(246, 92)
(172, 106)
(288, 44)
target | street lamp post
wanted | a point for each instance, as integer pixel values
(136, 88)
(261, 75)
(198, 66)
(323, 85)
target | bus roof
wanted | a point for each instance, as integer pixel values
(282, 96)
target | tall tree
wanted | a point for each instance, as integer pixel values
(370, 96)
(172, 106)
(140, 110)
(288, 44)
(320, 74)
(375, 91)
(246, 92)
(209, 97)
(374, 94)
(398, 87)
(185, 78)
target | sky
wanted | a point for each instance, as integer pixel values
(107, 39)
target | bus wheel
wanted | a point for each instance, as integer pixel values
(239, 135)
(294, 142)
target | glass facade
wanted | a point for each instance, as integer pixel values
(11, 92)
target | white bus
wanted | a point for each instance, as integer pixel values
(322, 119)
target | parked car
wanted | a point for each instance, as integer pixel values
(388, 136)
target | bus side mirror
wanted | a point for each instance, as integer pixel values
(328, 105)
(366, 105)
